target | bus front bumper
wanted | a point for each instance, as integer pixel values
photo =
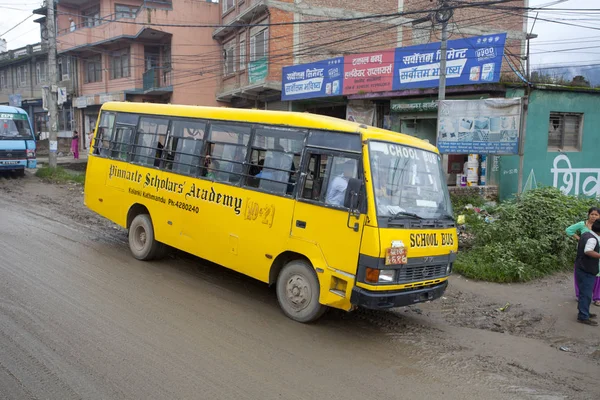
(381, 300)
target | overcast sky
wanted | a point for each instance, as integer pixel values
(551, 36)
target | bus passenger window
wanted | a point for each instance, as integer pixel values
(121, 143)
(103, 134)
(228, 146)
(150, 139)
(185, 147)
(275, 154)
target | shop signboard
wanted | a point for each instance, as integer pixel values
(468, 61)
(413, 106)
(487, 126)
(366, 73)
(257, 71)
(319, 79)
(475, 60)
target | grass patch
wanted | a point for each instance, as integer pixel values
(525, 239)
(60, 175)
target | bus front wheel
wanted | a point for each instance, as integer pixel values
(142, 243)
(298, 292)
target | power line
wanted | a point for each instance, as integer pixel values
(16, 25)
(319, 21)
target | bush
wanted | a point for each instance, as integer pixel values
(60, 175)
(459, 201)
(527, 239)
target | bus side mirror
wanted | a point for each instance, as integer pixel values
(352, 194)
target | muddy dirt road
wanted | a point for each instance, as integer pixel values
(81, 319)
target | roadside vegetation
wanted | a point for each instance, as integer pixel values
(520, 239)
(60, 175)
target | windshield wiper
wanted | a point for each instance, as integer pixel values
(404, 214)
(450, 216)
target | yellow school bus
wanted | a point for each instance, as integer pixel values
(333, 213)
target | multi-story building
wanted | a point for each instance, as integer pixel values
(139, 50)
(23, 76)
(259, 37)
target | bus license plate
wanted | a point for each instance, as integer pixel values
(395, 256)
(9, 162)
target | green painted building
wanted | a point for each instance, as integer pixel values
(562, 143)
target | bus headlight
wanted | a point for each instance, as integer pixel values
(380, 275)
(386, 276)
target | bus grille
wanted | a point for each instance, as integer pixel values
(12, 154)
(420, 273)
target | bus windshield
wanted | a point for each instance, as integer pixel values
(408, 182)
(14, 126)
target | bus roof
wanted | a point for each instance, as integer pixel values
(12, 110)
(285, 118)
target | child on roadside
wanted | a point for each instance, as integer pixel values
(575, 231)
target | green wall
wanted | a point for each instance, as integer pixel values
(538, 161)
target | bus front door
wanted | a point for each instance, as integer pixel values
(319, 215)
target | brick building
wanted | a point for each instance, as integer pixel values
(253, 56)
(24, 74)
(138, 50)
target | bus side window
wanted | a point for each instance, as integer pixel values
(315, 175)
(104, 133)
(275, 154)
(150, 141)
(226, 152)
(327, 178)
(184, 147)
(121, 142)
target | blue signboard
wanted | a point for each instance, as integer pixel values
(319, 79)
(468, 61)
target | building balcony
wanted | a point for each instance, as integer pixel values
(245, 16)
(106, 30)
(157, 81)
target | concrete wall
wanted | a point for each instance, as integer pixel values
(539, 161)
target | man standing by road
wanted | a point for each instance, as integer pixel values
(587, 262)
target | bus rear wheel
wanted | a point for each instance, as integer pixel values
(298, 292)
(142, 243)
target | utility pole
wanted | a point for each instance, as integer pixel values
(52, 95)
(443, 15)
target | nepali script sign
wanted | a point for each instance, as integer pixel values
(485, 126)
(575, 181)
(371, 72)
(468, 61)
(318, 79)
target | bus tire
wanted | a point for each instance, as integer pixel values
(298, 292)
(142, 243)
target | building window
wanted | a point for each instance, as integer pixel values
(229, 53)
(119, 64)
(91, 17)
(228, 5)
(259, 45)
(93, 69)
(564, 132)
(2, 80)
(242, 55)
(22, 72)
(64, 68)
(125, 11)
(40, 72)
(65, 120)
